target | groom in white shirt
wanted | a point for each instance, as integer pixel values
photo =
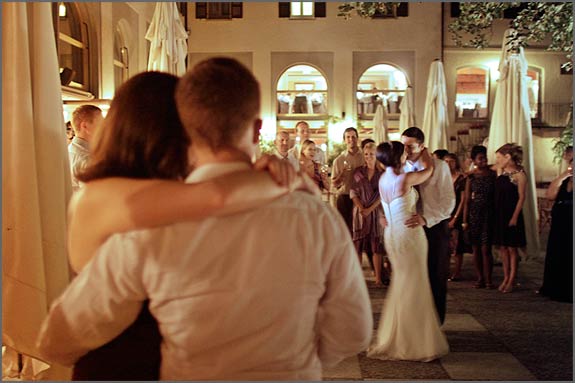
(273, 293)
(437, 200)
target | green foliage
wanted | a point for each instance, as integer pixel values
(534, 23)
(266, 146)
(335, 150)
(564, 140)
(367, 9)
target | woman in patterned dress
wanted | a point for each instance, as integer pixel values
(477, 215)
(367, 209)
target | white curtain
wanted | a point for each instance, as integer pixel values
(407, 108)
(511, 122)
(168, 38)
(435, 121)
(380, 125)
(36, 176)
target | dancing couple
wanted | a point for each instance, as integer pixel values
(416, 239)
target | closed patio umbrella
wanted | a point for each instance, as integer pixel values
(380, 125)
(407, 109)
(511, 122)
(36, 183)
(168, 38)
(435, 121)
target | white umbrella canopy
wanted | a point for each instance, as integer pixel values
(407, 108)
(380, 125)
(435, 121)
(168, 39)
(36, 177)
(511, 123)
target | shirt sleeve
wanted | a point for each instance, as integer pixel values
(100, 303)
(444, 196)
(345, 321)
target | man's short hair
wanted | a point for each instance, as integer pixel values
(366, 141)
(414, 132)
(301, 123)
(216, 100)
(281, 133)
(350, 129)
(84, 113)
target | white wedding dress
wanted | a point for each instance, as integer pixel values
(409, 325)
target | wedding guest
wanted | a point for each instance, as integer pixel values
(440, 154)
(558, 274)
(367, 233)
(85, 121)
(311, 167)
(281, 149)
(303, 132)
(478, 215)
(458, 242)
(509, 227)
(342, 174)
(99, 304)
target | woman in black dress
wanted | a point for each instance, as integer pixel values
(558, 274)
(477, 215)
(509, 228)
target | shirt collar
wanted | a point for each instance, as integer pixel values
(81, 142)
(213, 170)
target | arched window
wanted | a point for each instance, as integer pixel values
(301, 92)
(73, 45)
(381, 84)
(472, 93)
(121, 54)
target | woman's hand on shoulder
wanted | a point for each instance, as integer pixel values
(282, 172)
(426, 159)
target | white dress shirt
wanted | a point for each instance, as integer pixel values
(273, 293)
(79, 154)
(288, 157)
(437, 195)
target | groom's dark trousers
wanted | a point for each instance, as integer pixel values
(438, 264)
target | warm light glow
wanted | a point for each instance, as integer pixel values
(494, 69)
(268, 130)
(307, 8)
(62, 10)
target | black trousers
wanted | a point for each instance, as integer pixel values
(345, 207)
(438, 264)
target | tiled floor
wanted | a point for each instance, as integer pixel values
(493, 336)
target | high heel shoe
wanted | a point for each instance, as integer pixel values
(508, 288)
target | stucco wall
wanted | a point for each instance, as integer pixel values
(264, 34)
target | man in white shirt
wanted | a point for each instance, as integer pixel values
(342, 174)
(274, 293)
(437, 200)
(281, 150)
(85, 120)
(302, 132)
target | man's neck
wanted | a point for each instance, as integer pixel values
(353, 150)
(205, 155)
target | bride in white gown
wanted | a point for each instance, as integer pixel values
(409, 327)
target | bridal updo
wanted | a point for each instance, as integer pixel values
(389, 153)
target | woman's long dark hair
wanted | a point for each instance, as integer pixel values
(389, 153)
(142, 136)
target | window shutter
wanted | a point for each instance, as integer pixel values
(237, 10)
(403, 10)
(320, 9)
(284, 9)
(201, 10)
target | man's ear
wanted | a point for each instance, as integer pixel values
(256, 130)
